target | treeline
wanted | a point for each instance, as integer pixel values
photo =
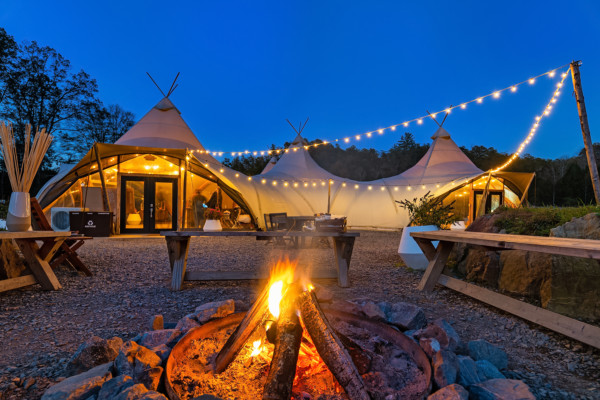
(559, 182)
(38, 87)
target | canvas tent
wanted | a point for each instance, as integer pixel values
(297, 185)
(148, 172)
(131, 177)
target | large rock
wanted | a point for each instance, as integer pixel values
(113, 387)
(484, 350)
(82, 386)
(586, 227)
(215, 309)
(156, 338)
(139, 392)
(524, 272)
(93, 352)
(467, 371)
(445, 368)
(501, 389)
(186, 323)
(405, 316)
(450, 392)
(442, 332)
(486, 370)
(142, 364)
(572, 288)
(430, 346)
(482, 266)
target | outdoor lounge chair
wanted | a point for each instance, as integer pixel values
(67, 253)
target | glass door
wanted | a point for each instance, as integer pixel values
(148, 204)
(492, 202)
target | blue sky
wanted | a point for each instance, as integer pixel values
(349, 66)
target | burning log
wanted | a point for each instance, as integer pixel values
(285, 356)
(241, 334)
(330, 347)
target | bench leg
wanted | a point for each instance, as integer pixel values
(39, 267)
(342, 248)
(435, 267)
(178, 251)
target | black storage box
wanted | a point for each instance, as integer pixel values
(94, 223)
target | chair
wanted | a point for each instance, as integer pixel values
(67, 253)
(278, 222)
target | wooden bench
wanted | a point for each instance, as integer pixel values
(178, 246)
(36, 257)
(437, 257)
(68, 250)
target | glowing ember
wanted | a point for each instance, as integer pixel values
(275, 296)
(257, 349)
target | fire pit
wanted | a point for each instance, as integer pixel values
(286, 346)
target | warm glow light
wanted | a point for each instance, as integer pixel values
(380, 131)
(496, 95)
(531, 81)
(419, 121)
(513, 89)
(369, 187)
(480, 100)
(463, 106)
(405, 124)
(355, 186)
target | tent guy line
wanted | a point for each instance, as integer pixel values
(380, 131)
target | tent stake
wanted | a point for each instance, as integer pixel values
(585, 129)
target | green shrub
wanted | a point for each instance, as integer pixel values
(429, 211)
(538, 221)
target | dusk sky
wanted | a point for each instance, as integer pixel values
(351, 66)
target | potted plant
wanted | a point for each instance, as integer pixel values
(213, 220)
(427, 213)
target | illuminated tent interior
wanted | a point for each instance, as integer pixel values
(151, 177)
(145, 185)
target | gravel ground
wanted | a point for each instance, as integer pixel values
(40, 330)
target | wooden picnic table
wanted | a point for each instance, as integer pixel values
(438, 256)
(178, 246)
(37, 258)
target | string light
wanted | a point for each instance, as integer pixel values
(535, 126)
(419, 120)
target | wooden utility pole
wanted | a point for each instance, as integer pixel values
(585, 129)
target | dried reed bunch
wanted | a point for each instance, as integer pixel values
(21, 175)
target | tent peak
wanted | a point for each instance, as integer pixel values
(165, 105)
(299, 141)
(441, 133)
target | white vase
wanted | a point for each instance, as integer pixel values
(409, 250)
(18, 218)
(212, 225)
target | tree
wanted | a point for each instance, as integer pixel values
(40, 90)
(94, 123)
(8, 50)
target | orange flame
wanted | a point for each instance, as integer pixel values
(256, 348)
(282, 274)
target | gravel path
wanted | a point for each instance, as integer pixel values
(40, 330)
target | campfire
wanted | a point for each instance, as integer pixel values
(288, 347)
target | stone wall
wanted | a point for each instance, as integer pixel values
(566, 285)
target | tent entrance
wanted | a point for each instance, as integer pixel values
(493, 200)
(148, 204)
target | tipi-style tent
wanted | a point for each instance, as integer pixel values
(153, 177)
(297, 185)
(147, 178)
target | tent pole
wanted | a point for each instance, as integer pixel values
(104, 194)
(480, 210)
(184, 202)
(328, 196)
(585, 129)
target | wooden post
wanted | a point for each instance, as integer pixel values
(104, 193)
(585, 129)
(184, 202)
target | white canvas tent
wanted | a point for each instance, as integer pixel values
(295, 184)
